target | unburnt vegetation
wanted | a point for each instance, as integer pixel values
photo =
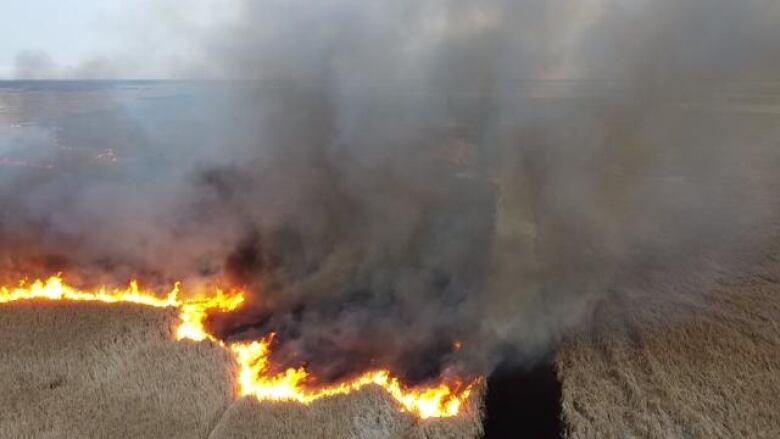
(681, 365)
(97, 371)
(368, 413)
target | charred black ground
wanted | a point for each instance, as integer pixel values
(523, 402)
(415, 363)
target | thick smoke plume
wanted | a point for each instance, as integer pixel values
(389, 177)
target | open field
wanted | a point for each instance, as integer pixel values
(105, 371)
(97, 371)
(695, 366)
(368, 413)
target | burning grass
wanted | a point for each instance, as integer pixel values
(439, 400)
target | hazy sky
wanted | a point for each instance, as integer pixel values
(72, 31)
(66, 29)
(70, 39)
(149, 38)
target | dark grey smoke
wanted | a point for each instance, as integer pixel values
(391, 177)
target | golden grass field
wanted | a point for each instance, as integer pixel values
(701, 365)
(114, 371)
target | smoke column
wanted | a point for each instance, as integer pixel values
(388, 177)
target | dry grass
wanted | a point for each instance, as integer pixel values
(98, 371)
(367, 414)
(93, 371)
(703, 365)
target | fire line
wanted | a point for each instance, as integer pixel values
(254, 379)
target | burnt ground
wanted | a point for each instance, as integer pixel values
(524, 402)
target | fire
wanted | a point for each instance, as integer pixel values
(457, 345)
(429, 402)
(193, 313)
(252, 358)
(55, 289)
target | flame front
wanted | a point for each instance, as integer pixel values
(55, 289)
(252, 358)
(427, 402)
(193, 313)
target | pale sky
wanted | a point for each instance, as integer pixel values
(72, 31)
(66, 29)
(167, 38)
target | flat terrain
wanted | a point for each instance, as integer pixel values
(695, 362)
(99, 371)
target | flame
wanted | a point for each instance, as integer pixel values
(252, 358)
(55, 289)
(428, 402)
(193, 313)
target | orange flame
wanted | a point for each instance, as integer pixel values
(426, 402)
(252, 358)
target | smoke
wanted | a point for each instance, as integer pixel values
(387, 178)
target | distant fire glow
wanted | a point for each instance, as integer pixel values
(444, 399)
